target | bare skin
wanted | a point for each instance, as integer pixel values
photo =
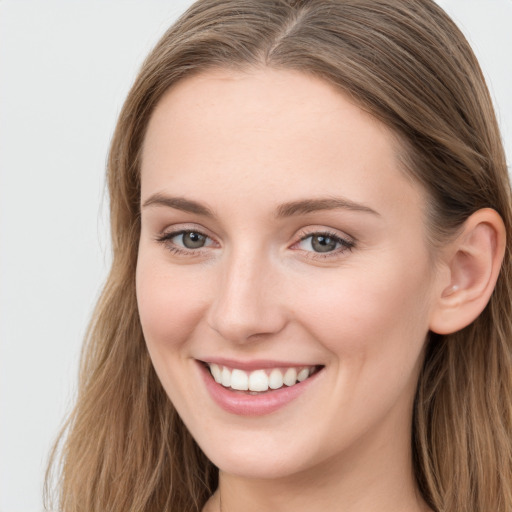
(242, 148)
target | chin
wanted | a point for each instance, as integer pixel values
(263, 457)
(258, 467)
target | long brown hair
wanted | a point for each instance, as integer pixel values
(124, 448)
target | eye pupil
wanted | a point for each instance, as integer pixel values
(192, 240)
(322, 243)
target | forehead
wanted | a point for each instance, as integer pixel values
(265, 132)
(269, 104)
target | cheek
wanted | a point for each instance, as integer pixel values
(382, 309)
(170, 303)
(374, 325)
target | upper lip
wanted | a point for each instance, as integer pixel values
(254, 364)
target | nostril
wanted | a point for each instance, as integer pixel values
(247, 306)
(247, 326)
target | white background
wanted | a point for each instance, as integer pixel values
(65, 68)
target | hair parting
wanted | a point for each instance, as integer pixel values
(124, 447)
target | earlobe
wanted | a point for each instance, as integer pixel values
(473, 261)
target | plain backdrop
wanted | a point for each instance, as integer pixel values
(65, 68)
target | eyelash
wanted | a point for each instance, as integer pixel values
(344, 243)
(166, 240)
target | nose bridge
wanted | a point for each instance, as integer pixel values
(246, 304)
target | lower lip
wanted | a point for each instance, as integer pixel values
(243, 404)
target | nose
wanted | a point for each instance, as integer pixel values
(248, 304)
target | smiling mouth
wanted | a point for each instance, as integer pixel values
(260, 381)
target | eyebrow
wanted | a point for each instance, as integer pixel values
(178, 203)
(300, 207)
(306, 206)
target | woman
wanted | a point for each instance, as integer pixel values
(309, 303)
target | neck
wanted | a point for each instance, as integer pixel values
(254, 496)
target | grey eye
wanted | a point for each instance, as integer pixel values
(192, 240)
(322, 243)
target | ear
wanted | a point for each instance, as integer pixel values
(473, 261)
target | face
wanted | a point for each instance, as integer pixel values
(284, 281)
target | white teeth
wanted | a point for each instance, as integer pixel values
(290, 377)
(216, 372)
(240, 380)
(275, 380)
(226, 378)
(258, 380)
(303, 374)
